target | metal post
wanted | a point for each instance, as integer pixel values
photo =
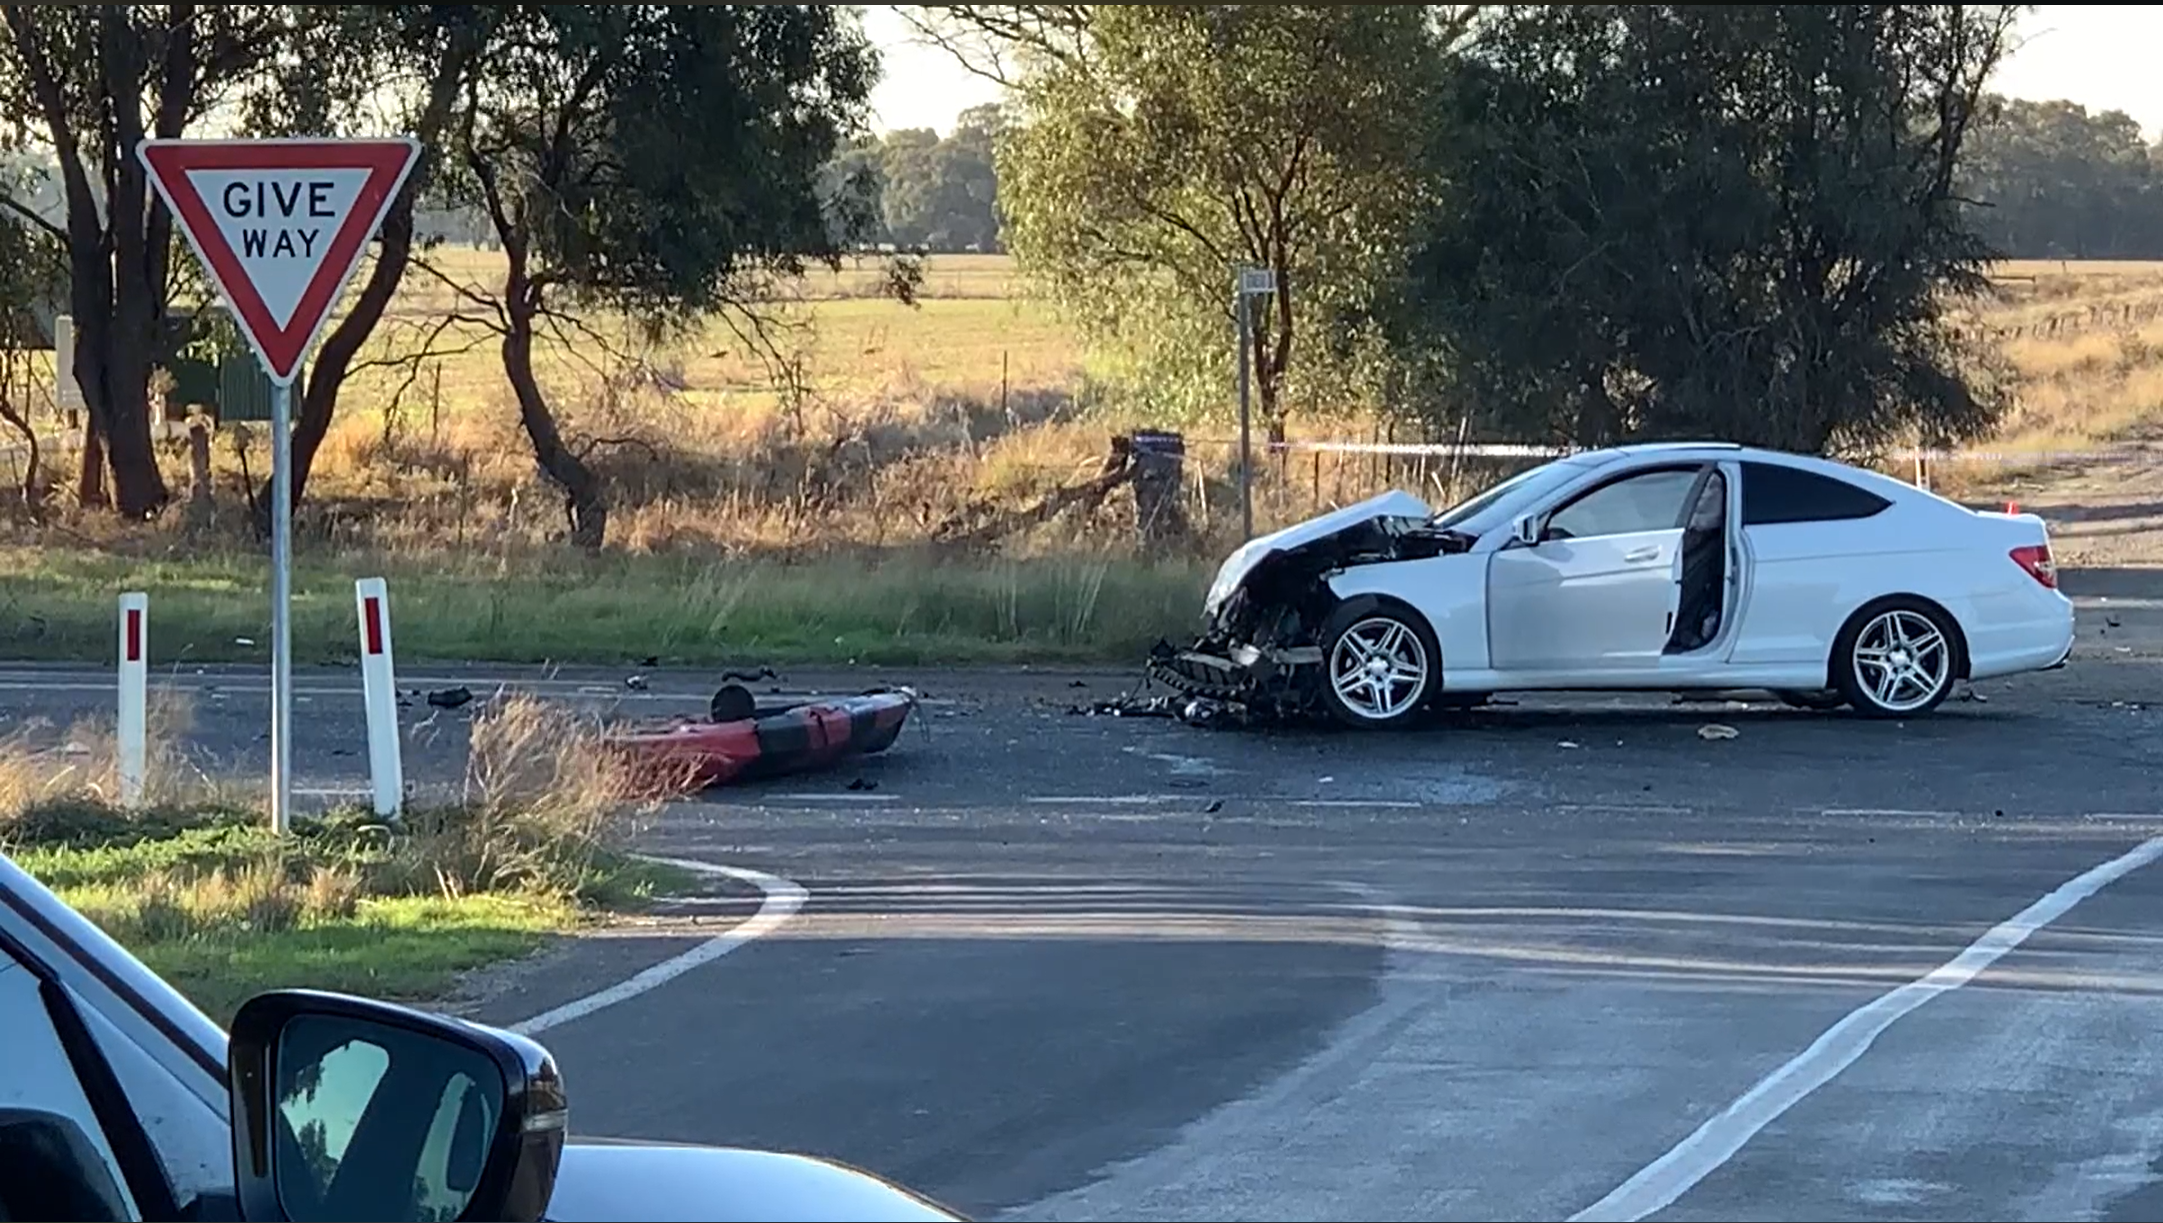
(1246, 460)
(281, 608)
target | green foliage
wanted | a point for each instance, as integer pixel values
(1687, 220)
(1182, 141)
(654, 159)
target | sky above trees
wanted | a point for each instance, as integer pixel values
(2099, 55)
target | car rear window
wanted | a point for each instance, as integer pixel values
(1774, 494)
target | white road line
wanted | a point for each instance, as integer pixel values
(1660, 1183)
(1898, 813)
(781, 901)
(224, 687)
(1204, 796)
(1115, 800)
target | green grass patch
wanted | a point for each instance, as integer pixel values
(57, 605)
(203, 893)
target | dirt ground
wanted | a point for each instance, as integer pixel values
(2106, 515)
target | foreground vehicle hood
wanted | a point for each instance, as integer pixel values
(601, 1179)
(1236, 567)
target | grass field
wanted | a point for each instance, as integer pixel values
(783, 504)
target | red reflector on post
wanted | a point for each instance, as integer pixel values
(135, 635)
(2037, 561)
(374, 629)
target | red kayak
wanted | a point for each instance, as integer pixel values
(771, 741)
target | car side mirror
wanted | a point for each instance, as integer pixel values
(349, 1108)
(1525, 529)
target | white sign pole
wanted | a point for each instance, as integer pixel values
(132, 726)
(379, 691)
(280, 226)
(281, 607)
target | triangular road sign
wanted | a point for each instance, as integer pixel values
(280, 225)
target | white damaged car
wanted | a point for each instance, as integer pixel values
(1670, 567)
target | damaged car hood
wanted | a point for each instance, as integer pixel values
(1236, 567)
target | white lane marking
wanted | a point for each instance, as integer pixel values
(1115, 800)
(1660, 1183)
(781, 901)
(221, 687)
(1341, 804)
(1896, 813)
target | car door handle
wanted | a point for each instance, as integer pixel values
(1637, 556)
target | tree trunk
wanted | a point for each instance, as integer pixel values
(90, 491)
(140, 231)
(582, 491)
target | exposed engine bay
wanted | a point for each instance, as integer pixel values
(1260, 646)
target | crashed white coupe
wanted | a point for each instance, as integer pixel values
(1700, 566)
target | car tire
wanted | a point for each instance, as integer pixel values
(1819, 702)
(1364, 634)
(1899, 633)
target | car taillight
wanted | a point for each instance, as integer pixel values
(2036, 560)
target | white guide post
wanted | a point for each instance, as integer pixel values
(379, 689)
(132, 726)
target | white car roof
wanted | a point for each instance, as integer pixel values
(1877, 482)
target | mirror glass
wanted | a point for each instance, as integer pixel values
(374, 1122)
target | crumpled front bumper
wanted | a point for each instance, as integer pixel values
(1247, 674)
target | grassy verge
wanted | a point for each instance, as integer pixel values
(554, 606)
(197, 887)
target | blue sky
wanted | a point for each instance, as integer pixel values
(2100, 55)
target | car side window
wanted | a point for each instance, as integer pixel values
(55, 1160)
(1774, 494)
(1648, 501)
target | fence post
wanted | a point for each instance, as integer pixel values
(132, 725)
(379, 691)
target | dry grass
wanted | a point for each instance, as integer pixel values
(789, 511)
(194, 883)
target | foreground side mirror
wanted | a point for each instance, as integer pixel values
(1525, 529)
(348, 1108)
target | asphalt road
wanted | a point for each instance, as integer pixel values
(1567, 956)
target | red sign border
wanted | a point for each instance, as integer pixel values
(388, 160)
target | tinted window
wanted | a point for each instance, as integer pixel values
(1650, 501)
(1772, 493)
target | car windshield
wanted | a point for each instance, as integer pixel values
(1476, 516)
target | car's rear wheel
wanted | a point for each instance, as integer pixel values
(1896, 658)
(1380, 664)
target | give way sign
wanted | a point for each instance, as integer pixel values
(280, 225)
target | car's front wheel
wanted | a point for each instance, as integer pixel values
(1381, 665)
(1896, 658)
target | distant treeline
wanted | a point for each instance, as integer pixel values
(2050, 181)
(2053, 181)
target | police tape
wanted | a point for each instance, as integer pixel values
(1501, 450)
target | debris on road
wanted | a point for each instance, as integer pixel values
(1713, 730)
(743, 740)
(450, 698)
